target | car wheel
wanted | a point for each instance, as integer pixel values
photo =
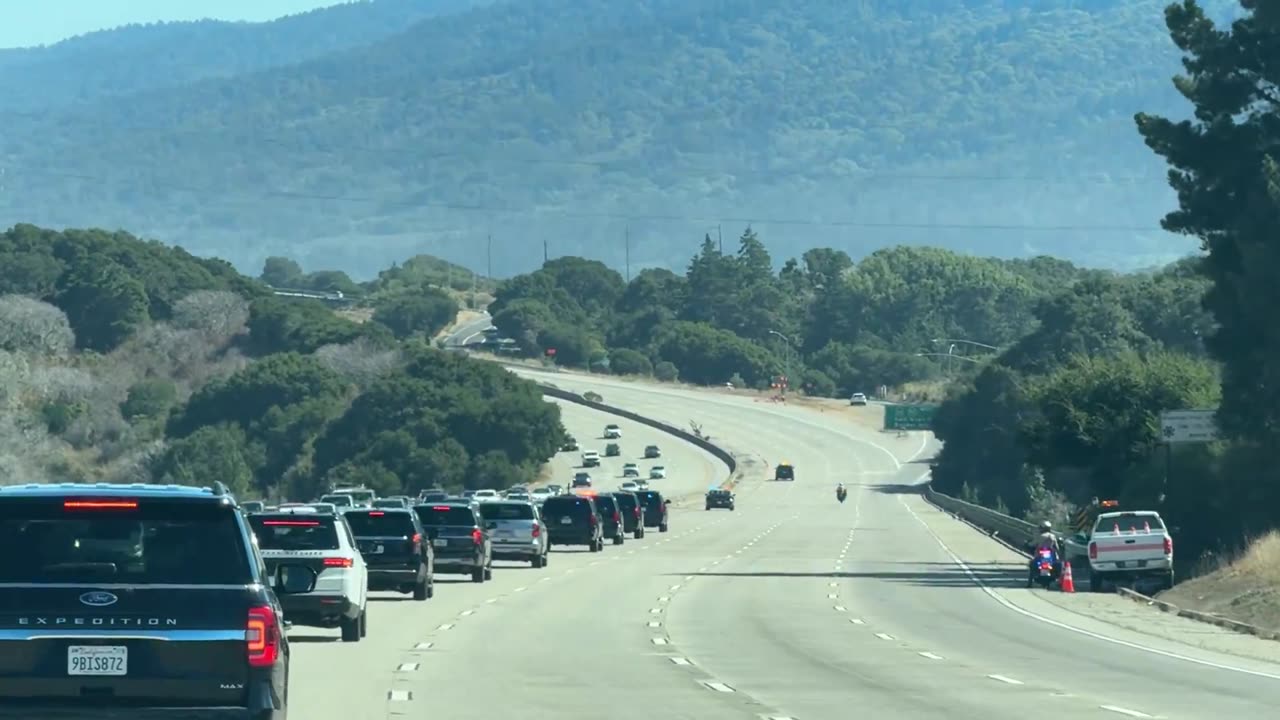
(488, 573)
(351, 628)
(364, 622)
(431, 588)
(637, 534)
(536, 561)
(617, 539)
(421, 591)
(596, 545)
(662, 528)
(477, 575)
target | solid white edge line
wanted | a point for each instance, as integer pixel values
(1124, 711)
(929, 655)
(1063, 626)
(1008, 680)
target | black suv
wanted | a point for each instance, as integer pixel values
(655, 509)
(632, 515)
(615, 528)
(573, 520)
(459, 539)
(395, 550)
(133, 601)
(719, 499)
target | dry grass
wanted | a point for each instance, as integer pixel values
(1246, 590)
(933, 391)
(355, 314)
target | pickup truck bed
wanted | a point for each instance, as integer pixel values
(1127, 548)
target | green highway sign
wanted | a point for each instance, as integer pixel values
(909, 417)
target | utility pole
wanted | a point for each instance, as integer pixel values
(489, 257)
(720, 237)
(627, 242)
(546, 255)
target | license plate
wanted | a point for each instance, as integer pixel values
(440, 542)
(97, 660)
(504, 533)
(566, 521)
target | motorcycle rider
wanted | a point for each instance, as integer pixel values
(840, 491)
(1048, 540)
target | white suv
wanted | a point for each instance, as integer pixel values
(612, 432)
(324, 543)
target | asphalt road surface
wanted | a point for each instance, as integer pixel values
(470, 332)
(886, 604)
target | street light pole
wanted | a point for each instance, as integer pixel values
(962, 341)
(786, 359)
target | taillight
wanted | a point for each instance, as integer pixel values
(1093, 551)
(337, 562)
(636, 510)
(416, 539)
(100, 505)
(536, 530)
(617, 516)
(1168, 546)
(477, 537)
(262, 637)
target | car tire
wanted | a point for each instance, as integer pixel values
(488, 572)
(662, 528)
(596, 546)
(617, 539)
(422, 590)
(477, 575)
(637, 534)
(536, 561)
(364, 622)
(431, 588)
(351, 628)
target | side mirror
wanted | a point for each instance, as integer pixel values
(294, 579)
(666, 502)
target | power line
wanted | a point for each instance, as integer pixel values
(490, 209)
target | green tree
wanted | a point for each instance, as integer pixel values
(103, 303)
(213, 453)
(425, 312)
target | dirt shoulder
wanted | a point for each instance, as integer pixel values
(1247, 590)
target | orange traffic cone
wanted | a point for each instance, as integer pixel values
(1068, 584)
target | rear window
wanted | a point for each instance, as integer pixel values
(295, 532)
(339, 500)
(785, 471)
(606, 504)
(442, 515)
(1130, 523)
(558, 506)
(506, 511)
(650, 498)
(434, 496)
(626, 500)
(379, 523)
(122, 541)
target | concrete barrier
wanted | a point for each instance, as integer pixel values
(720, 454)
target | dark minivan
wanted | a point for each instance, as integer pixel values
(632, 517)
(573, 520)
(615, 528)
(395, 550)
(131, 601)
(655, 509)
(459, 539)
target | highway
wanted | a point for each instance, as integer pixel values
(791, 607)
(469, 332)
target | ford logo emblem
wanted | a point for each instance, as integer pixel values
(98, 598)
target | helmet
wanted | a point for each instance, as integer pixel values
(1046, 526)
(840, 485)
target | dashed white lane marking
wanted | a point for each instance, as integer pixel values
(1003, 679)
(832, 584)
(702, 569)
(445, 626)
(399, 695)
(1124, 711)
(520, 589)
(407, 667)
(663, 599)
(467, 613)
(832, 596)
(658, 641)
(839, 608)
(680, 661)
(655, 611)
(884, 636)
(776, 717)
(544, 579)
(856, 621)
(717, 686)
(929, 655)
(673, 588)
(490, 601)
(422, 646)
(654, 624)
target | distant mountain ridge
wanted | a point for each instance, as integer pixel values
(142, 57)
(628, 130)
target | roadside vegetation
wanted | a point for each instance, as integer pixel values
(125, 360)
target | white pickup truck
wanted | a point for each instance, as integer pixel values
(1128, 548)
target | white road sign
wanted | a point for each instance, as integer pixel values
(1188, 426)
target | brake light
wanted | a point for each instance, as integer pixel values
(441, 508)
(292, 523)
(100, 505)
(376, 513)
(636, 510)
(416, 539)
(536, 530)
(337, 562)
(1168, 546)
(262, 636)
(477, 537)
(1093, 551)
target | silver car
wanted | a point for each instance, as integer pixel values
(517, 531)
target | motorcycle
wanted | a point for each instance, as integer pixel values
(841, 494)
(1044, 570)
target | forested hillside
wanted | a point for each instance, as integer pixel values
(123, 360)
(971, 125)
(148, 57)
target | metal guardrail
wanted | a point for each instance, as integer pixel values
(1015, 532)
(720, 453)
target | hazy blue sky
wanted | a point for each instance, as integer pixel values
(41, 22)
